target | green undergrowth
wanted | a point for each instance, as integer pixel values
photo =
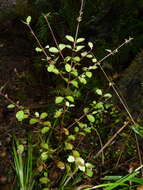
(66, 135)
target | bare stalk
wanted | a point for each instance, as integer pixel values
(9, 100)
(120, 97)
(79, 19)
(39, 43)
(53, 35)
(111, 139)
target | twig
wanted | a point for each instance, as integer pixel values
(39, 43)
(111, 139)
(126, 109)
(9, 100)
(78, 20)
(52, 33)
(115, 50)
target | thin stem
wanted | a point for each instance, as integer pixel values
(39, 43)
(126, 109)
(108, 55)
(9, 100)
(111, 139)
(101, 144)
(71, 176)
(78, 24)
(118, 95)
(52, 33)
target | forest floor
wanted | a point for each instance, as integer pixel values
(15, 58)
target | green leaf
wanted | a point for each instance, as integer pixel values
(69, 38)
(46, 188)
(44, 180)
(10, 106)
(50, 68)
(91, 118)
(82, 125)
(81, 168)
(71, 138)
(66, 131)
(74, 72)
(80, 40)
(89, 165)
(37, 114)
(108, 50)
(44, 156)
(89, 172)
(108, 95)
(68, 146)
(74, 83)
(70, 98)
(69, 46)
(45, 146)
(44, 130)
(53, 50)
(38, 49)
(88, 74)
(58, 113)
(99, 105)
(137, 129)
(28, 20)
(94, 60)
(59, 99)
(87, 130)
(83, 54)
(67, 104)
(99, 92)
(60, 165)
(20, 149)
(68, 58)
(78, 48)
(76, 129)
(80, 163)
(93, 67)
(43, 115)
(56, 71)
(82, 80)
(20, 115)
(71, 159)
(89, 56)
(33, 121)
(47, 123)
(86, 110)
(47, 46)
(62, 46)
(68, 67)
(90, 44)
(76, 59)
(76, 153)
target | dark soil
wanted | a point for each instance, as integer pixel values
(15, 60)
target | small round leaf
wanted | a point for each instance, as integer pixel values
(80, 40)
(44, 130)
(71, 159)
(69, 38)
(33, 121)
(59, 99)
(53, 50)
(43, 115)
(68, 67)
(91, 118)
